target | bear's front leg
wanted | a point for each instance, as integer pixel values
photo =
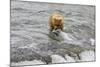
(51, 28)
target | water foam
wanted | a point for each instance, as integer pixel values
(27, 63)
(57, 59)
(66, 36)
(92, 41)
(87, 56)
(69, 59)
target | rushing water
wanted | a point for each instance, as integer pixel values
(31, 42)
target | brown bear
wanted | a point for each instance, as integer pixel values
(56, 21)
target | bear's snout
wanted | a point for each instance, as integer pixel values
(57, 32)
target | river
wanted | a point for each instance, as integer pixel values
(32, 44)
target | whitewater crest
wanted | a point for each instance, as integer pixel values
(62, 36)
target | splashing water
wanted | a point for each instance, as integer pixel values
(57, 59)
(66, 36)
(28, 63)
(87, 56)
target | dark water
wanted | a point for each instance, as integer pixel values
(31, 40)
